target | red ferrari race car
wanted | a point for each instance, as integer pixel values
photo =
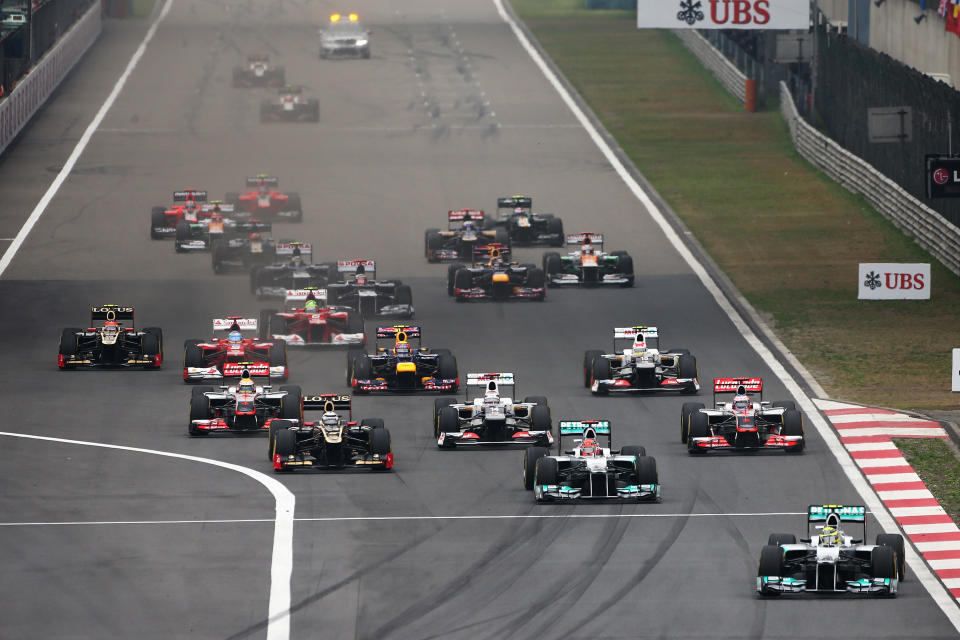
(187, 206)
(314, 324)
(265, 201)
(219, 358)
(245, 407)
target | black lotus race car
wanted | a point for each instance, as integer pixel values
(362, 292)
(525, 227)
(496, 280)
(405, 367)
(111, 344)
(298, 272)
(290, 106)
(258, 73)
(332, 442)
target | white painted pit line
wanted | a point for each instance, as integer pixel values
(937, 591)
(281, 567)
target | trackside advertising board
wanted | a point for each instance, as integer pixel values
(894, 281)
(723, 14)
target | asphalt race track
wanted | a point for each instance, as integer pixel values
(449, 112)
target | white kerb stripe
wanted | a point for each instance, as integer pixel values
(942, 527)
(874, 417)
(871, 446)
(945, 563)
(906, 512)
(882, 478)
(899, 461)
(939, 545)
(909, 494)
(952, 583)
(895, 432)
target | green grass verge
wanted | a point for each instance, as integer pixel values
(789, 237)
(939, 468)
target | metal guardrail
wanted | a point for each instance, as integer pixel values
(733, 80)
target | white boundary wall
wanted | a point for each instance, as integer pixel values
(734, 80)
(33, 89)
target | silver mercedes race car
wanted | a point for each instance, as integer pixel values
(831, 561)
(590, 471)
(494, 418)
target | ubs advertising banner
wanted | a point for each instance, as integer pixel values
(723, 14)
(894, 281)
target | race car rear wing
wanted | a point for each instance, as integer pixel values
(392, 333)
(581, 238)
(110, 313)
(738, 386)
(300, 295)
(577, 428)
(256, 181)
(460, 215)
(226, 324)
(821, 514)
(475, 380)
(289, 248)
(352, 266)
(246, 370)
(650, 335)
(217, 204)
(189, 194)
(328, 402)
(515, 202)
(253, 225)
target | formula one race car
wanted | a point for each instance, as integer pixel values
(494, 418)
(344, 37)
(404, 367)
(359, 290)
(639, 367)
(590, 471)
(464, 236)
(243, 251)
(111, 345)
(525, 227)
(243, 408)
(219, 358)
(743, 424)
(496, 279)
(831, 561)
(298, 272)
(258, 73)
(187, 203)
(265, 201)
(290, 106)
(589, 265)
(212, 225)
(314, 324)
(332, 442)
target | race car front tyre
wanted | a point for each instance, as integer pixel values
(276, 426)
(438, 404)
(286, 445)
(266, 315)
(404, 294)
(540, 418)
(546, 471)
(625, 267)
(463, 279)
(352, 354)
(600, 371)
(293, 204)
(552, 263)
(501, 236)
(354, 322)
(777, 539)
(183, 234)
(151, 344)
(447, 368)
(895, 542)
(633, 450)
(451, 274)
(646, 470)
(291, 404)
(199, 410)
(883, 563)
(536, 279)
(786, 404)
(687, 410)
(793, 426)
(217, 249)
(278, 355)
(530, 457)
(432, 242)
(588, 358)
(68, 342)
(687, 368)
(362, 369)
(158, 218)
(380, 444)
(192, 355)
(555, 228)
(447, 422)
(699, 428)
(771, 564)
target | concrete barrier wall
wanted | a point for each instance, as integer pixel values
(725, 71)
(33, 89)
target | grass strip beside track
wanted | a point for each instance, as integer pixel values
(788, 236)
(937, 464)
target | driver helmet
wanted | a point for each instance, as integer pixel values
(246, 386)
(741, 402)
(589, 447)
(111, 328)
(330, 419)
(830, 536)
(296, 258)
(402, 349)
(235, 336)
(468, 225)
(639, 349)
(263, 188)
(311, 305)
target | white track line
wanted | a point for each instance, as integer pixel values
(81, 145)
(940, 595)
(281, 568)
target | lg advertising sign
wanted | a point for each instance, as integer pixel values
(943, 176)
(723, 14)
(894, 281)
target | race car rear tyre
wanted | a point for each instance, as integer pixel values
(199, 410)
(699, 427)
(447, 422)
(354, 322)
(771, 564)
(688, 409)
(313, 108)
(633, 450)
(276, 325)
(535, 278)
(500, 236)
(217, 249)
(600, 371)
(442, 352)
(546, 471)
(680, 351)
(432, 240)
(687, 368)
(291, 404)
(158, 218)
(895, 542)
(552, 263)
(451, 274)
(646, 470)
(404, 294)
(362, 370)
(233, 198)
(540, 418)
(786, 404)
(278, 355)
(447, 368)
(463, 279)
(530, 457)
(373, 423)
(276, 426)
(266, 316)
(588, 358)
(151, 344)
(555, 227)
(286, 444)
(793, 426)
(883, 562)
(777, 539)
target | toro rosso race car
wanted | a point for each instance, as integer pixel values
(298, 272)
(359, 290)
(243, 408)
(496, 279)
(187, 206)
(258, 73)
(493, 419)
(263, 200)
(465, 235)
(111, 344)
(333, 442)
(589, 265)
(744, 423)
(243, 251)
(524, 227)
(290, 106)
(344, 37)
(829, 560)
(590, 471)
(219, 358)
(314, 324)
(403, 367)
(640, 366)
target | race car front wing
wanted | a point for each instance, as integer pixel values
(636, 492)
(456, 438)
(213, 373)
(620, 385)
(338, 340)
(776, 584)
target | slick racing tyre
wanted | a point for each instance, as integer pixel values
(463, 279)
(540, 418)
(447, 422)
(546, 471)
(354, 322)
(278, 357)
(373, 423)
(786, 404)
(600, 371)
(68, 343)
(699, 427)
(552, 264)
(192, 356)
(291, 405)
(634, 450)
(883, 562)
(438, 405)
(264, 325)
(793, 426)
(687, 410)
(646, 470)
(451, 275)
(555, 227)
(404, 294)
(199, 410)
(183, 234)
(276, 426)
(151, 344)
(536, 278)
(771, 564)
(777, 539)
(625, 267)
(432, 242)
(530, 457)
(286, 445)
(362, 370)
(895, 542)
(687, 368)
(588, 358)
(158, 218)
(380, 440)
(447, 369)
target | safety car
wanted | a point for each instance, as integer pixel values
(495, 279)
(590, 471)
(344, 36)
(290, 105)
(638, 365)
(465, 235)
(403, 367)
(297, 271)
(314, 324)
(589, 265)
(359, 290)
(111, 344)
(259, 72)
(829, 560)
(264, 200)
(524, 227)
(219, 358)
(245, 407)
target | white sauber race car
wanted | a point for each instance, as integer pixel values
(493, 419)
(831, 561)
(590, 471)
(641, 367)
